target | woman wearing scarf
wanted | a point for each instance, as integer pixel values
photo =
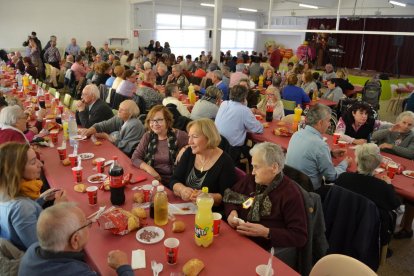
(269, 203)
(208, 105)
(158, 148)
(20, 198)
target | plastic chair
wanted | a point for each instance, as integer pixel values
(57, 95)
(67, 100)
(115, 112)
(240, 174)
(340, 265)
(394, 97)
(73, 106)
(289, 105)
(52, 91)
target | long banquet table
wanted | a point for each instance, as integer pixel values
(403, 185)
(230, 253)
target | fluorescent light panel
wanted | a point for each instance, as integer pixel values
(249, 10)
(398, 3)
(207, 5)
(308, 6)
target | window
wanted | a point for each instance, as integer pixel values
(182, 42)
(237, 41)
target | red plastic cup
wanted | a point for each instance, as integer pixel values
(77, 173)
(171, 250)
(100, 165)
(60, 107)
(261, 270)
(392, 169)
(216, 226)
(20, 94)
(62, 153)
(47, 96)
(73, 160)
(147, 192)
(92, 192)
(54, 136)
(336, 137)
(342, 144)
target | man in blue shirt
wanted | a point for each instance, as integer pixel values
(234, 119)
(72, 49)
(309, 153)
(63, 233)
(217, 79)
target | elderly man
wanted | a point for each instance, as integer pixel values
(73, 49)
(91, 109)
(309, 153)
(238, 75)
(267, 206)
(52, 55)
(124, 130)
(63, 232)
(19, 64)
(78, 68)
(172, 97)
(105, 51)
(52, 38)
(179, 78)
(234, 119)
(12, 125)
(329, 72)
(162, 74)
(90, 51)
(217, 79)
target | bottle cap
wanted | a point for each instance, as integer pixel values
(205, 190)
(160, 188)
(155, 183)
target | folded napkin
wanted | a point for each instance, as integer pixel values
(138, 259)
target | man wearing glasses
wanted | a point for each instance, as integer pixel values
(63, 233)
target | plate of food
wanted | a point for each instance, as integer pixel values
(80, 137)
(408, 173)
(283, 131)
(86, 155)
(150, 234)
(187, 208)
(97, 178)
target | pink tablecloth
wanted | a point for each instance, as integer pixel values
(230, 253)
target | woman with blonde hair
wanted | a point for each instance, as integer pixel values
(20, 198)
(342, 80)
(203, 164)
(272, 98)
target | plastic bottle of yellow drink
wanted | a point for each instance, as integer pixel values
(191, 94)
(25, 81)
(65, 129)
(261, 79)
(160, 206)
(298, 112)
(203, 229)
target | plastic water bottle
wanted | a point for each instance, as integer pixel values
(204, 219)
(72, 130)
(160, 207)
(19, 80)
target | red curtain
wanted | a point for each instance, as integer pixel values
(380, 50)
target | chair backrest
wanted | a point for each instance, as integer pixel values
(240, 174)
(118, 99)
(47, 69)
(52, 91)
(299, 177)
(103, 91)
(115, 112)
(73, 106)
(289, 105)
(340, 265)
(67, 99)
(57, 95)
(394, 88)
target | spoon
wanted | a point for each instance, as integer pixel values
(158, 268)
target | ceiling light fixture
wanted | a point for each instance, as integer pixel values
(398, 3)
(249, 10)
(308, 6)
(207, 5)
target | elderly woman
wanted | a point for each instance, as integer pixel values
(147, 91)
(328, 73)
(124, 130)
(208, 105)
(157, 151)
(20, 198)
(273, 99)
(363, 182)
(398, 139)
(252, 95)
(13, 124)
(172, 97)
(162, 74)
(308, 84)
(128, 86)
(102, 73)
(334, 92)
(357, 124)
(203, 164)
(275, 214)
(179, 78)
(342, 80)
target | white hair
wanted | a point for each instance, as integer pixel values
(9, 115)
(368, 158)
(93, 90)
(56, 224)
(270, 154)
(147, 65)
(405, 114)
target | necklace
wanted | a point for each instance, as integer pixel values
(203, 163)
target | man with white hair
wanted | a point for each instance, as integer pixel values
(91, 109)
(63, 232)
(238, 75)
(12, 125)
(217, 79)
(72, 49)
(124, 130)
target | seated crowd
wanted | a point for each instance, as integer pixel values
(204, 151)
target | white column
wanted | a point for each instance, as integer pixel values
(218, 8)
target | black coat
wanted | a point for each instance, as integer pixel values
(99, 112)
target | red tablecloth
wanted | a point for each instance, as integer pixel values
(403, 185)
(230, 253)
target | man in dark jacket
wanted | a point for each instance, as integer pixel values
(63, 234)
(91, 109)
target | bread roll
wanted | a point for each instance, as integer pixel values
(133, 223)
(139, 197)
(178, 226)
(80, 188)
(139, 212)
(193, 267)
(66, 162)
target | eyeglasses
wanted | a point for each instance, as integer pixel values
(156, 121)
(88, 224)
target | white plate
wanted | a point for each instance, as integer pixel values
(407, 173)
(187, 208)
(378, 170)
(80, 137)
(153, 229)
(101, 175)
(86, 155)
